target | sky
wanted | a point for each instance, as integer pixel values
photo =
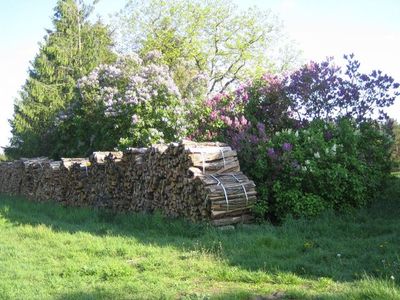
(368, 28)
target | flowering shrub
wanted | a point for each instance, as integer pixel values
(322, 166)
(302, 137)
(324, 91)
(140, 98)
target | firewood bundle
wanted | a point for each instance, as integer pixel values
(229, 196)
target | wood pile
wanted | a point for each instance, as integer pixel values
(133, 196)
(33, 173)
(11, 177)
(77, 180)
(52, 186)
(198, 181)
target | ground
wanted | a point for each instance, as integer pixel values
(52, 252)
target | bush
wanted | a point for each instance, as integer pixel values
(308, 140)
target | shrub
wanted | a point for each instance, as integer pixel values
(317, 167)
(308, 140)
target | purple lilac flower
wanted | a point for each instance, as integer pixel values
(271, 153)
(287, 147)
(254, 139)
(328, 135)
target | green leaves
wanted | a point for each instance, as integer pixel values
(69, 51)
(214, 38)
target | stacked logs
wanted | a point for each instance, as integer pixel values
(77, 181)
(32, 177)
(54, 182)
(11, 177)
(198, 181)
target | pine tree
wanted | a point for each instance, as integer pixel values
(69, 51)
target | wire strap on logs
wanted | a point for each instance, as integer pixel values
(226, 195)
(243, 187)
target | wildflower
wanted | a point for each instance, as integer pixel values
(317, 155)
(392, 277)
(339, 255)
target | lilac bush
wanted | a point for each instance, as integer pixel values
(302, 137)
(325, 91)
(140, 98)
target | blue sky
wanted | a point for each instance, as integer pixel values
(369, 28)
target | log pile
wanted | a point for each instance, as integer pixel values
(54, 179)
(32, 177)
(198, 181)
(77, 181)
(11, 177)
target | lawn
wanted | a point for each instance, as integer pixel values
(52, 252)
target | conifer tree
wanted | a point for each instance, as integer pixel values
(70, 50)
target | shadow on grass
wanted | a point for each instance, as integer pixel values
(344, 248)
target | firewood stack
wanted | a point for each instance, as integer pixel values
(11, 177)
(77, 181)
(198, 181)
(205, 183)
(97, 192)
(114, 172)
(55, 178)
(31, 181)
(133, 191)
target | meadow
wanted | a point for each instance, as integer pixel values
(52, 252)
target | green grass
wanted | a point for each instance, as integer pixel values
(51, 252)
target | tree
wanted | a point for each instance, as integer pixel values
(208, 38)
(69, 51)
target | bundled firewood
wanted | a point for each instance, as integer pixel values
(229, 196)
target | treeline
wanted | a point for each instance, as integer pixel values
(91, 87)
(313, 137)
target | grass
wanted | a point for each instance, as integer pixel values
(52, 252)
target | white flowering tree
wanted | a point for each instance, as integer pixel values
(139, 100)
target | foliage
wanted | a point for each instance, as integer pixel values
(85, 256)
(69, 51)
(323, 91)
(319, 167)
(396, 144)
(207, 38)
(3, 157)
(136, 100)
(302, 137)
